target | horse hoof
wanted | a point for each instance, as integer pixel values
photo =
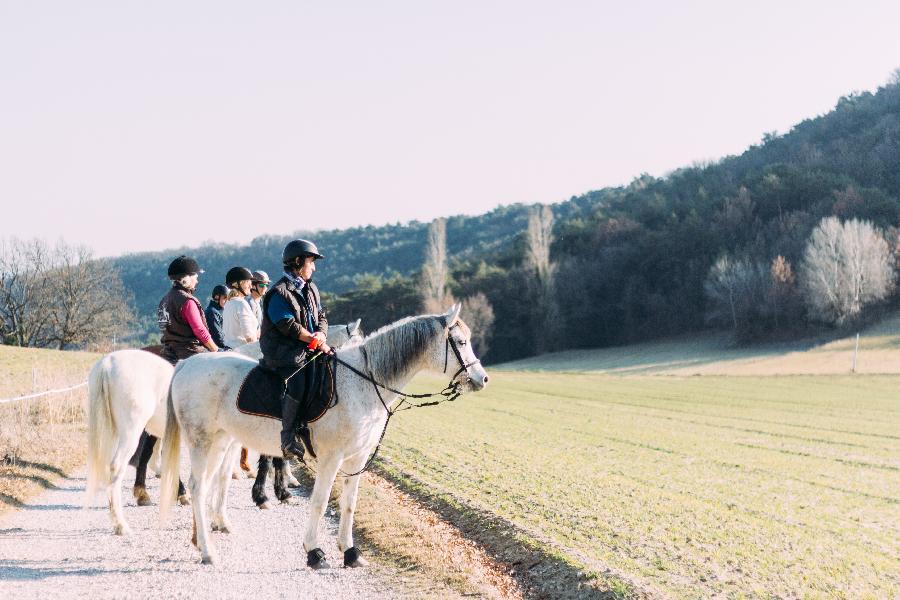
(266, 505)
(353, 559)
(142, 497)
(209, 560)
(251, 474)
(184, 500)
(292, 482)
(289, 500)
(122, 530)
(315, 559)
(221, 528)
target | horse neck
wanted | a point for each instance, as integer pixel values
(394, 364)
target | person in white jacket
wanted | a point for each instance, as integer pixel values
(239, 325)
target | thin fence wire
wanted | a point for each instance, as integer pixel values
(45, 393)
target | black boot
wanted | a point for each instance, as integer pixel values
(290, 446)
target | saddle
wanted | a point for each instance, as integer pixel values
(261, 392)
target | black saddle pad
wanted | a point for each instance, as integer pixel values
(261, 393)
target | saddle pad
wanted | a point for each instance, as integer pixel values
(260, 394)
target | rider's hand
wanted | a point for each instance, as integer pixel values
(324, 348)
(319, 336)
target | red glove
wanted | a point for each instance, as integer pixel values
(313, 344)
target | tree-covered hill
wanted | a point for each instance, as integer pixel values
(631, 262)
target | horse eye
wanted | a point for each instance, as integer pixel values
(463, 342)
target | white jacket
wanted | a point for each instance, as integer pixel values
(239, 324)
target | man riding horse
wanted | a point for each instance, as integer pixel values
(293, 334)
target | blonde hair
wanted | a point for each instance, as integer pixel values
(235, 293)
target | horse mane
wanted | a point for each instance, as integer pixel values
(392, 348)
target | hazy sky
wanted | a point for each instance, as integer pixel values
(147, 125)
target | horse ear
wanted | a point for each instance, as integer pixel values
(355, 326)
(453, 314)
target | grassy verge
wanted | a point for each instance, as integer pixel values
(41, 439)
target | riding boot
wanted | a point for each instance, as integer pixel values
(290, 446)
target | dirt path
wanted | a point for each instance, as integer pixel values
(55, 548)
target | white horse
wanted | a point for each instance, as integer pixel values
(127, 392)
(202, 406)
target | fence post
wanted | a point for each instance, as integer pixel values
(855, 352)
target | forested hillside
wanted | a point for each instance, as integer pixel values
(628, 263)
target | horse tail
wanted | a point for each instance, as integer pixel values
(101, 431)
(171, 451)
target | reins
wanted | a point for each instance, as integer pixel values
(448, 394)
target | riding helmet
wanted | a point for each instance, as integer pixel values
(299, 249)
(219, 290)
(260, 277)
(236, 274)
(183, 265)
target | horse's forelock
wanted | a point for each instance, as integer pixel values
(464, 328)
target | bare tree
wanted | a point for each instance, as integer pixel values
(782, 290)
(58, 296)
(846, 266)
(538, 239)
(736, 290)
(88, 298)
(24, 292)
(478, 314)
(435, 296)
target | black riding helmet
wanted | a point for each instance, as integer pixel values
(236, 274)
(183, 265)
(219, 290)
(299, 249)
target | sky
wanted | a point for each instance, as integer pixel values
(130, 126)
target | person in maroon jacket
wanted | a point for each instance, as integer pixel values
(180, 316)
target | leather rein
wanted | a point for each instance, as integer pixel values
(448, 394)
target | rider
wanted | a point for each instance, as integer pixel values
(293, 330)
(260, 283)
(239, 324)
(213, 314)
(180, 316)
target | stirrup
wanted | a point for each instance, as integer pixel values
(293, 450)
(303, 434)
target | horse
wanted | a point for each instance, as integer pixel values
(368, 380)
(127, 395)
(282, 469)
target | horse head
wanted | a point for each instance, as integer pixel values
(458, 354)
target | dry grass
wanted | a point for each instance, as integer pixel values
(41, 439)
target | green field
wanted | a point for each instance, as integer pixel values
(688, 487)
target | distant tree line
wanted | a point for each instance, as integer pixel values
(797, 234)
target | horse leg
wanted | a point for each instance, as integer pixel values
(140, 478)
(328, 468)
(220, 520)
(184, 498)
(201, 459)
(259, 486)
(281, 492)
(349, 496)
(117, 473)
(155, 460)
(291, 480)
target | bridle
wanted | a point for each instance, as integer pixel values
(450, 393)
(463, 365)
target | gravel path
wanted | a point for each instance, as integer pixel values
(54, 548)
